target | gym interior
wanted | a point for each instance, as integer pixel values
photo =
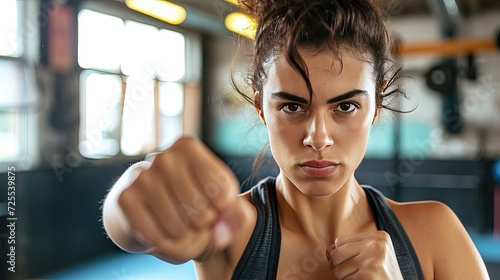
(90, 87)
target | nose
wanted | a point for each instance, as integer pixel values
(318, 135)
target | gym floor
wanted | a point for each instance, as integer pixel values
(124, 266)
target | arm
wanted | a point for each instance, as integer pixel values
(455, 255)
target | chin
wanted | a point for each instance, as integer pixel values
(318, 189)
(314, 187)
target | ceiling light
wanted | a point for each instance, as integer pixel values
(241, 23)
(162, 10)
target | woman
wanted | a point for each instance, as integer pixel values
(319, 81)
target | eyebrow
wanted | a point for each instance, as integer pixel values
(291, 97)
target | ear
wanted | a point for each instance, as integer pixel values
(377, 114)
(384, 85)
(379, 106)
(257, 101)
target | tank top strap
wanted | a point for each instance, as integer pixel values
(261, 255)
(386, 220)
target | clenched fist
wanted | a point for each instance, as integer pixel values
(364, 256)
(179, 205)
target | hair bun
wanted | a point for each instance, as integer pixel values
(260, 8)
(254, 8)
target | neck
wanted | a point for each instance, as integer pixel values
(323, 218)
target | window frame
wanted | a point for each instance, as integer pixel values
(27, 114)
(191, 81)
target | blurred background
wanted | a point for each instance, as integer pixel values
(88, 87)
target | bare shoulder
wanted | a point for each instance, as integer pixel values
(427, 223)
(444, 248)
(424, 215)
(246, 196)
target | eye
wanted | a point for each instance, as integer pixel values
(347, 107)
(291, 108)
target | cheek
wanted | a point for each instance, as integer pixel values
(355, 135)
(280, 135)
(274, 124)
(283, 138)
(360, 141)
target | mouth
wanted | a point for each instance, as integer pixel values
(317, 168)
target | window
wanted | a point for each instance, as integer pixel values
(12, 114)
(16, 90)
(132, 91)
(10, 41)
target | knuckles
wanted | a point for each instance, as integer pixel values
(194, 210)
(378, 248)
(375, 251)
(185, 145)
(198, 216)
(177, 155)
(127, 199)
(383, 235)
(382, 243)
(142, 182)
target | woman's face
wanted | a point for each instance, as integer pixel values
(319, 143)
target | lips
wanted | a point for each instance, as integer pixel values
(319, 168)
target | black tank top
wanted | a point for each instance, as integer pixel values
(261, 256)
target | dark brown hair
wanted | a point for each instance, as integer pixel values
(284, 26)
(353, 25)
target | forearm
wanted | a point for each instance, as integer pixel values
(114, 221)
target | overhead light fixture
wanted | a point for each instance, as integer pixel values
(160, 9)
(241, 23)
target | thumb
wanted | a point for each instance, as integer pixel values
(329, 251)
(229, 224)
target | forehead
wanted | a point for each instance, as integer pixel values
(327, 71)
